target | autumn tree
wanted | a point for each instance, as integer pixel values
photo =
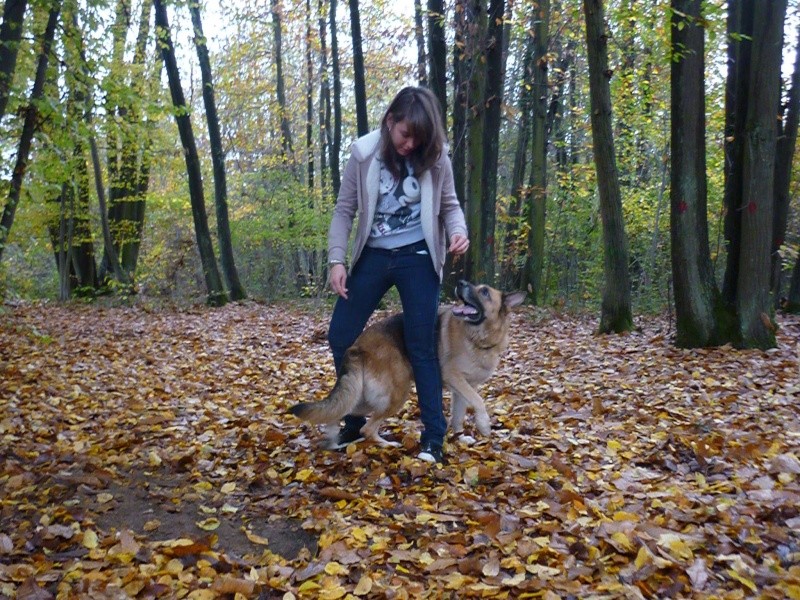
(616, 312)
(216, 293)
(235, 289)
(10, 37)
(29, 126)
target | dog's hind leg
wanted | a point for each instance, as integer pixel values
(370, 432)
(458, 411)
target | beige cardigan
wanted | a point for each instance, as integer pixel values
(441, 213)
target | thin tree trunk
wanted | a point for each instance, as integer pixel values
(437, 54)
(360, 86)
(616, 313)
(28, 127)
(476, 25)
(216, 292)
(537, 187)
(235, 288)
(784, 156)
(280, 86)
(326, 157)
(419, 34)
(696, 295)
(10, 36)
(310, 103)
(336, 146)
(493, 104)
(793, 299)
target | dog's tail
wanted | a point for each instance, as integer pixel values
(344, 396)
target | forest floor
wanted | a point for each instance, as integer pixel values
(147, 453)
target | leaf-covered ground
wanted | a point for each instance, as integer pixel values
(148, 454)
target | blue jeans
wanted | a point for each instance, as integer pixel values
(410, 270)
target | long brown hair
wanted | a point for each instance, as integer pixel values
(419, 108)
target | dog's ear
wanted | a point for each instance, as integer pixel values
(513, 299)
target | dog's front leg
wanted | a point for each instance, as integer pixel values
(469, 398)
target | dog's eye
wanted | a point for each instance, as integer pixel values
(485, 292)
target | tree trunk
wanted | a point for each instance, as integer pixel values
(28, 128)
(740, 33)
(437, 54)
(280, 86)
(310, 104)
(127, 146)
(537, 186)
(419, 34)
(10, 36)
(696, 294)
(787, 139)
(616, 313)
(326, 156)
(336, 144)
(360, 86)
(753, 303)
(227, 260)
(511, 275)
(493, 104)
(216, 293)
(476, 25)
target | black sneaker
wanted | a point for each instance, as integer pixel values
(347, 436)
(432, 453)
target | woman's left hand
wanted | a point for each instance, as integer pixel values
(459, 244)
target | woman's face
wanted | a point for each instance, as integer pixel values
(402, 139)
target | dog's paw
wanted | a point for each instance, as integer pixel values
(484, 426)
(467, 440)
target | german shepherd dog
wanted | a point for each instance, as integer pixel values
(376, 373)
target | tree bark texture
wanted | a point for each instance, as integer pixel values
(28, 127)
(280, 86)
(336, 146)
(740, 33)
(537, 186)
(476, 25)
(10, 36)
(693, 278)
(437, 54)
(616, 313)
(360, 85)
(216, 293)
(419, 34)
(753, 303)
(787, 141)
(229, 271)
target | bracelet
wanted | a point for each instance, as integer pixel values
(335, 262)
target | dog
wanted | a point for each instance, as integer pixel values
(376, 372)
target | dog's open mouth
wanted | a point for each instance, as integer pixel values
(468, 312)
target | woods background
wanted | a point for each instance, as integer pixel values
(145, 144)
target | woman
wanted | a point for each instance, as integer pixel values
(399, 181)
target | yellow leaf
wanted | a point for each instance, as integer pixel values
(334, 568)
(152, 525)
(209, 524)
(304, 474)
(359, 534)
(203, 486)
(308, 586)
(255, 538)
(364, 586)
(104, 498)
(742, 579)
(228, 487)
(515, 580)
(622, 541)
(642, 558)
(621, 515)
(90, 539)
(154, 459)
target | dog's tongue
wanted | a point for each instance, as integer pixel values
(464, 309)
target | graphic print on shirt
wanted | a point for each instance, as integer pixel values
(398, 206)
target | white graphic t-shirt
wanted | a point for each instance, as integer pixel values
(397, 214)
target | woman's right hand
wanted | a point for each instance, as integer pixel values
(338, 279)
